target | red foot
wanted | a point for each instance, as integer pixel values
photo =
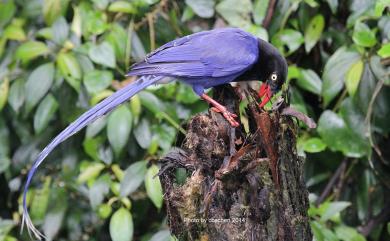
(228, 116)
(221, 109)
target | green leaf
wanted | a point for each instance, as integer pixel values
(258, 31)
(333, 4)
(97, 80)
(55, 215)
(101, 4)
(40, 201)
(313, 31)
(117, 37)
(30, 50)
(310, 81)
(363, 36)
(53, 9)
(99, 189)
(153, 186)
(335, 72)
(353, 77)
(45, 113)
(15, 32)
(330, 209)
(202, 8)
(151, 102)
(162, 235)
(121, 225)
(4, 88)
(37, 85)
(384, 51)
(260, 11)
(321, 232)
(16, 94)
(119, 128)
(338, 137)
(122, 7)
(314, 145)
(95, 127)
(346, 233)
(355, 121)
(380, 6)
(289, 38)
(6, 226)
(103, 54)
(60, 30)
(143, 134)
(237, 15)
(70, 68)
(133, 178)
(104, 211)
(7, 11)
(90, 172)
(186, 95)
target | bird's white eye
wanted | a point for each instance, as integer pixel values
(274, 77)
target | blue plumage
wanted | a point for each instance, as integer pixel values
(202, 60)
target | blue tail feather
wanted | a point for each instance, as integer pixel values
(88, 117)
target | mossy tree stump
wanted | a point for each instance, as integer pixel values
(239, 186)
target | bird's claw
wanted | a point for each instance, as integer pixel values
(230, 117)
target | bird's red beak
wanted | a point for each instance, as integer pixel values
(265, 91)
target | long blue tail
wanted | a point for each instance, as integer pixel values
(88, 117)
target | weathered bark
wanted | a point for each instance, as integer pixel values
(239, 186)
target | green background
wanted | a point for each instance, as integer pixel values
(58, 58)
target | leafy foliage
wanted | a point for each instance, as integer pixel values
(58, 58)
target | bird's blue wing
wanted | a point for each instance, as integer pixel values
(215, 53)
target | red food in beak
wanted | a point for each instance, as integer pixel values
(265, 90)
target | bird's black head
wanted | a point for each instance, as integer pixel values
(272, 70)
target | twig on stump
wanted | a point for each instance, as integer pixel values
(239, 186)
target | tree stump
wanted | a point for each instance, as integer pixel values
(238, 185)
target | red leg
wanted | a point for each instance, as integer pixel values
(217, 107)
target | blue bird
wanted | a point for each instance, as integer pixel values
(201, 60)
